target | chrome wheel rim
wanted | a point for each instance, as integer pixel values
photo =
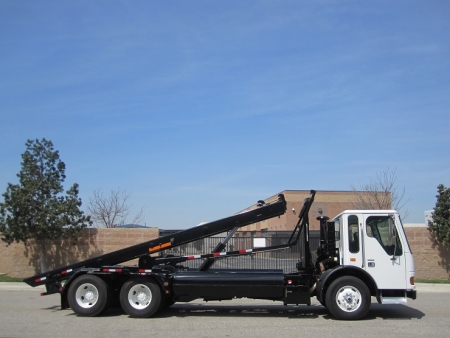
(86, 295)
(348, 298)
(140, 296)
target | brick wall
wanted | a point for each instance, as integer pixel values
(17, 260)
(432, 260)
(331, 204)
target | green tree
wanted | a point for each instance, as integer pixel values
(36, 209)
(440, 225)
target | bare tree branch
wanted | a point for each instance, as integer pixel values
(111, 211)
(139, 216)
(381, 192)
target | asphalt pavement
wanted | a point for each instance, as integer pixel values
(24, 313)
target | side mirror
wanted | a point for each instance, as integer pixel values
(392, 235)
(391, 227)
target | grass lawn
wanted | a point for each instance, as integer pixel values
(434, 281)
(6, 278)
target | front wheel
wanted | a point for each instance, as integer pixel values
(140, 297)
(88, 296)
(348, 298)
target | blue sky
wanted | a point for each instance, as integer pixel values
(201, 108)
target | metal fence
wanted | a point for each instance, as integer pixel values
(284, 259)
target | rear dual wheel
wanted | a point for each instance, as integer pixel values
(89, 296)
(140, 297)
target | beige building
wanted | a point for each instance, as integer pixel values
(326, 203)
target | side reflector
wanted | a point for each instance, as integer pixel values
(111, 270)
(352, 259)
(160, 247)
(411, 281)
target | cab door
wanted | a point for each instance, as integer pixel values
(384, 255)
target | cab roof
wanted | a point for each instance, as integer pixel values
(372, 212)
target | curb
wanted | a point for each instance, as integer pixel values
(430, 287)
(17, 286)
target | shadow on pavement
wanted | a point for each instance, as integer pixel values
(377, 311)
(393, 312)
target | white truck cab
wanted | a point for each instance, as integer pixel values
(375, 242)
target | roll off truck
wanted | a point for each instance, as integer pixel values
(361, 254)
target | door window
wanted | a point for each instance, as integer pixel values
(382, 228)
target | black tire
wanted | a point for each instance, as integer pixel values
(88, 296)
(140, 297)
(166, 302)
(169, 302)
(348, 298)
